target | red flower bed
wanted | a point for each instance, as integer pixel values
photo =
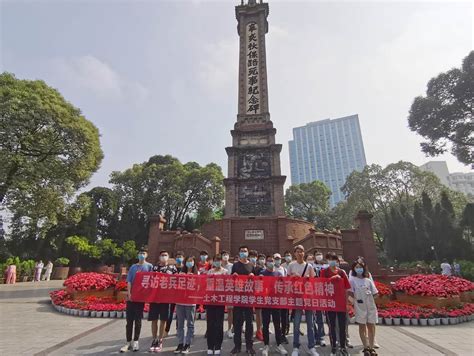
(89, 281)
(121, 286)
(405, 310)
(433, 285)
(383, 289)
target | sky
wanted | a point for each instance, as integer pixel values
(160, 77)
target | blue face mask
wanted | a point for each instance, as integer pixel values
(190, 264)
(243, 254)
(253, 260)
(216, 264)
(359, 271)
(141, 256)
(203, 258)
(270, 265)
(278, 263)
(179, 260)
(288, 259)
(332, 263)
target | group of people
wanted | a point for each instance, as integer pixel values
(358, 284)
(10, 272)
(450, 270)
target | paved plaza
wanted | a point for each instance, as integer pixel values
(30, 326)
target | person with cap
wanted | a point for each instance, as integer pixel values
(134, 309)
(300, 268)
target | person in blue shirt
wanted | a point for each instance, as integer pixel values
(135, 309)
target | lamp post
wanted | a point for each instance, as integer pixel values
(435, 253)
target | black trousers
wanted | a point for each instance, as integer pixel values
(170, 318)
(134, 315)
(285, 321)
(341, 318)
(240, 315)
(275, 315)
(215, 326)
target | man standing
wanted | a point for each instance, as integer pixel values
(300, 268)
(243, 267)
(160, 311)
(38, 269)
(48, 271)
(228, 266)
(134, 310)
(284, 315)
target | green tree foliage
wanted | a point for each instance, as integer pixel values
(308, 201)
(445, 116)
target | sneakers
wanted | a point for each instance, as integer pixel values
(179, 349)
(348, 344)
(250, 350)
(259, 335)
(210, 352)
(376, 346)
(158, 346)
(235, 351)
(284, 340)
(217, 352)
(281, 349)
(295, 352)
(125, 348)
(186, 349)
(313, 352)
(366, 351)
(135, 346)
(265, 350)
(333, 351)
(153, 345)
(230, 334)
(322, 343)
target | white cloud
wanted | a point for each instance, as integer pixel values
(90, 74)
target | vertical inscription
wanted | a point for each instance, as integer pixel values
(253, 85)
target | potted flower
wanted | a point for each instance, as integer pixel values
(61, 269)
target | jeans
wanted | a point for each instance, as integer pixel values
(215, 326)
(275, 315)
(185, 313)
(340, 319)
(318, 326)
(242, 314)
(309, 327)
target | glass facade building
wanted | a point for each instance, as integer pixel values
(327, 150)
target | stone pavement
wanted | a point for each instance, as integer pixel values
(30, 326)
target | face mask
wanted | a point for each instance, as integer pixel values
(179, 260)
(332, 263)
(163, 258)
(270, 265)
(319, 258)
(253, 260)
(359, 271)
(141, 256)
(261, 261)
(225, 258)
(243, 254)
(288, 259)
(190, 264)
(203, 258)
(216, 264)
(278, 263)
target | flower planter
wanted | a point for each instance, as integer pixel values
(438, 321)
(60, 273)
(121, 295)
(414, 321)
(437, 302)
(388, 321)
(105, 314)
(113, 314)
(396, 321)
(87, 313)
(81, 312)
(119, 314)
(453, 321)
(444, 321)
(431, 322)
(106, 293)
(382, 300)
(423, 322)
(406, 321)
(75, 312)
(98, 314)
(93, 314)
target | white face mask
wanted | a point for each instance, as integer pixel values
(319, 258)
(225, 258)
(164, 258)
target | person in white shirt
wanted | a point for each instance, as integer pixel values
(38, 269)
(284, 313)
(48, 271)
(230, 315)
(300, 268)
(446, 269)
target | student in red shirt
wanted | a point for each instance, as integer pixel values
(334, 272)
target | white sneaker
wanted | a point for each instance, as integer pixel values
(313, 352)
(230, 334)
(376, 346)
(295, 352)
(323, 343)
(217, 352)
(281, 349)
(265, 350)
(125, 348)
(210, 352)
(135, 346)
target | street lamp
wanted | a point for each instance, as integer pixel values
(434, 251)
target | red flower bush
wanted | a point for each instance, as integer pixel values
(59, 296)
(89, 281)
(433, 285)
(405, 310)
(383, 289)
(121, 286)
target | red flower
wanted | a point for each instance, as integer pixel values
(89, 281)
(433, 285)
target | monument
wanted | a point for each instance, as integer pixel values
(254, 212)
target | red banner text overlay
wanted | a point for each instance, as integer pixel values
(243, 291)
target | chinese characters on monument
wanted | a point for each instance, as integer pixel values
(245, 291)
(253, 90)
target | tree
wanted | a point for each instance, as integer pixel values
(45, 142)
(445, 116)
(467, 222)
(308, 201)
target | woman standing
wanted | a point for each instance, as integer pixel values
(364, 306)
(215, 314)
(186, 313)
(38, 269)
(48, 271)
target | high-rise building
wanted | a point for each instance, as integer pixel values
(439, 169)
(329, 151)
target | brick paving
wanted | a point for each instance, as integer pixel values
(30, 326)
